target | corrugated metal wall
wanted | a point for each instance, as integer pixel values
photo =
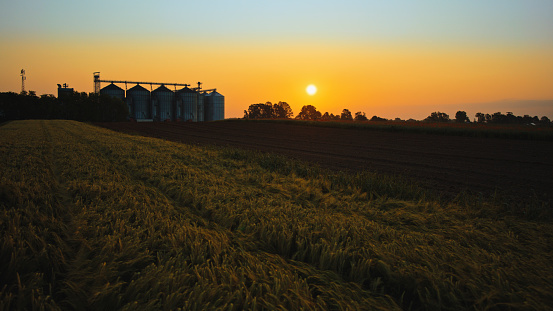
(163, 99)
(138, 100)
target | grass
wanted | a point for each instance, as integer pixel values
(101, 220)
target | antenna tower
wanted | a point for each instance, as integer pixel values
(23, 78)
(97, 82)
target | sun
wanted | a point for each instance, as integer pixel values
(311, 89)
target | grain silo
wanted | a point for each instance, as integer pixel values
(163, 103)
(200, 106)
(113, 91)
(214, 106)
(138, 100)
(187, 105)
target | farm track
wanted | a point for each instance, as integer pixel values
(447, 164)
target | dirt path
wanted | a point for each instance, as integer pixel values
(448, 164)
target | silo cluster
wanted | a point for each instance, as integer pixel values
(163, 104)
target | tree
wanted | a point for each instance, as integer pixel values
(461, 117)
(73, 106)
(346, 115)
(360, 116)
(308, 112)
(480, 117)
(268, 111)
(375, 118)
(437, 117)
(282, 110)
(259, 111)
(545, 121)
(498, 117)
(325, 116)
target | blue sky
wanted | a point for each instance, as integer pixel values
(501, 22)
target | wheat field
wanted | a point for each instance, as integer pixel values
(94, 219)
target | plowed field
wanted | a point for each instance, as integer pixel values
(448, 164)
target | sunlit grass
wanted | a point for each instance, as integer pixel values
(105, 220)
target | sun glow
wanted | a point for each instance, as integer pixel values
(311, 89)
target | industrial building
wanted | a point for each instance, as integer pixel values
(163, 104)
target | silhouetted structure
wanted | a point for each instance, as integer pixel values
(138, 101)
(214, 106)
(64, 91)
(187, 105)
(162, 104)
(113, 91)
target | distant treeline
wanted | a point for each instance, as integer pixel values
(72, 106)
(309, 112)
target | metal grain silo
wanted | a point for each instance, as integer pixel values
(187, 105)
(214, 106)
(114, 91)
(138, 100)
(163, 103)
(201, 114)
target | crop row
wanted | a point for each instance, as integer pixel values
(125, 245)
(508, 131)
(122, 222)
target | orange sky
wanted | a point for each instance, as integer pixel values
(391, 74)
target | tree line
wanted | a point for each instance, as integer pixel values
(72, 106)
(309, 112)
(495, 118)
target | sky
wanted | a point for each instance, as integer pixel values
(392, 59)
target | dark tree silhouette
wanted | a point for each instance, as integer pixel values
(268, 111)
(73, 106)
(480, 117)
(346, 115)
(282, 110)
(308, 112)
(461, 117)
(360, 116)
(375, 118)
(437, 117)
(259, 111)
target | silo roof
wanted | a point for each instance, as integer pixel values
(138, 88)
(112, 87)
(162, 88)
(186, 90)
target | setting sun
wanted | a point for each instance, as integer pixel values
(311, 89)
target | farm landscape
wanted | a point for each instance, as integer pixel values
(109, 220)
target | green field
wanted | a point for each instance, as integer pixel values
(93, 219)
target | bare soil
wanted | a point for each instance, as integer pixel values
(448, 164)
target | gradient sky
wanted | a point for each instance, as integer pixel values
(388, 58)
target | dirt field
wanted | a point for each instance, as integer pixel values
(448, 164)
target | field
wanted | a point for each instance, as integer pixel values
(517, 169)
(101, 220)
